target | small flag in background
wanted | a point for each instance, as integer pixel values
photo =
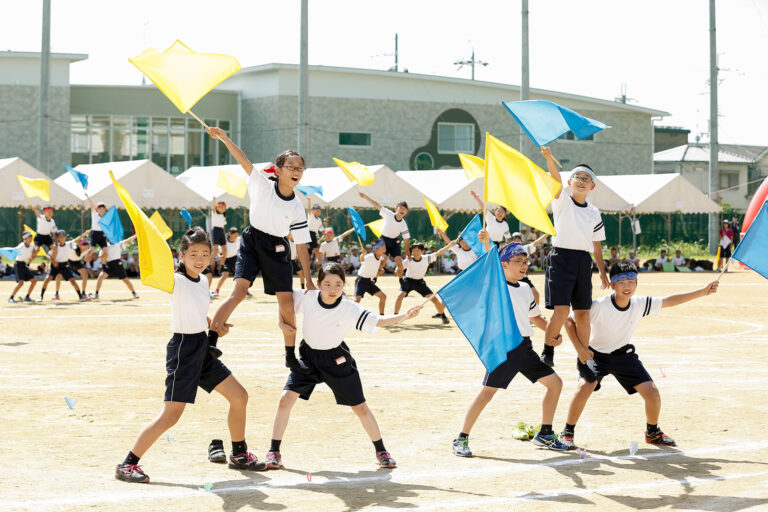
(80, 177)
(479, 303)
(10, 253)
(376, 227)
(356, 171)
(113, 228)
(434, 216)
(158, 221)
(35, 187)
(231, 184)
(753, 248)
(40, 252)
(474, 166)
(357, 223)
(155, 259)
(187, 217)
(544, 121)
(308, 190)
(469, 235)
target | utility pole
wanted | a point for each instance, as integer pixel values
(396, 69)
(471, 62)
(303, 142)
(713, 145)
(45, 62)
(525, 75)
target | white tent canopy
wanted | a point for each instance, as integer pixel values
(12, 195)
(149, 185)
(438, 185)
(660, 193)
(203, 181)
(338, 192)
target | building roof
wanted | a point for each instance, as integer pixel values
(71, 57)
(700, 153)
(671, 129)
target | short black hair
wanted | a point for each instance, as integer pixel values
(403, 204)
(419, 245)
(331, 268)
(233, 229)
(622, 267)
(585, 165)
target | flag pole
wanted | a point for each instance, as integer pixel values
(198, 119)
(725, 269)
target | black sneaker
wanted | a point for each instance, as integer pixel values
(445, 319)
(131, 473)
(247, 461)
(437, 315)
(659, 438)
(216, 452)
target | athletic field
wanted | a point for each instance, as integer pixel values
(708, 357)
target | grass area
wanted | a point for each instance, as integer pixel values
(698, 250)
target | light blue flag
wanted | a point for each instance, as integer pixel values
(113, 228)
(544, 121)
(187, 216)
(469, 235)
(308, 190)
(10, 253)
(479, 303)
(357, 223)
(753, 248)
(79, 176)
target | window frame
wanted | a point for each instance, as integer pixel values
(470, 149)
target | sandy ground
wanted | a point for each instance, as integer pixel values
(709, 359)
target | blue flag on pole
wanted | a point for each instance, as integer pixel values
(479, 303)
(308, 190)
(80, 177)
(10, 253)
(469, 235)
(753, 248)
(544, 121)
(187, 217)
(113, 228)
(357, 223)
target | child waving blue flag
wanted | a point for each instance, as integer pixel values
(113, 228)
(357, 223)
(544, 121)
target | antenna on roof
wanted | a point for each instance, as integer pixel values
(623, 98)
(471, 62)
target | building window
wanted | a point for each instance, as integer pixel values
(570, 136)
(455, 138)
(423, 162)
(354, 139)
(729, 179)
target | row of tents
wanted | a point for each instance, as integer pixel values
(449, 189)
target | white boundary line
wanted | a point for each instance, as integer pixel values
(144, 492)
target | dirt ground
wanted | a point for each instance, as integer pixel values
(709, 359)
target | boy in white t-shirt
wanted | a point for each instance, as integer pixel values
(568, 276)
(415, 269)
(370, 269)
(21, 267)
(465, 256)
(661, 260)
(394, 227)
(679, 260)
(330, 247)
(608, 351)
(112, 262)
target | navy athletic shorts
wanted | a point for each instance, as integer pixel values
(98, 239)
(365, 285)
(218, 236)
(266, 254)
(392, 245)
(189, 365)
(622, 363)
(522, 359)
(335, 367)
(568, 279)
(409, 285)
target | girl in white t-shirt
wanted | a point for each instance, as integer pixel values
(218, 223)
(495, 221)
(328, 316)
(190, 364)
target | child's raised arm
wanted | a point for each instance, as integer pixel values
(37, 213)
(546, 152)
(237, 153)
(347, 232)
(681, 298)
(443, 236)
(371, 201)
(85, 234)
(90, 201)
(477, 198)
(385, 321)
(445, 248)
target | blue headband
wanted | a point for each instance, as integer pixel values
(582, 168)
(511, 250)
(624, 276)
(378, 244)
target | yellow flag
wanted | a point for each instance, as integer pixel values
(158, 221)
(36, 188)
(474, 166)
(518, 184)
(155, 259)
(376, 226)
(183, 75)
(231, 184)
(40, 252)
(356, 171)
(434, 216)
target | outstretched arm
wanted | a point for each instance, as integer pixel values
(477, 198)
(371, 201)
(37, 213)
(539, 240)
(681, 298)
(237, 153)
(443, 236)
(546, 152)
(85, 234)
(129, 239)
(385, 321)
(445, 248)
(90, 201)
(347, 232)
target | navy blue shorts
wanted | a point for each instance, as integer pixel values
(522, 359)
(392, 245)
(312, 245)
(218, 236)
(229, 265)
(63, 270)
(41, 240)
(270, 255)
(76, 265)
(409, 285)
(115, 269)
(22, 272)
(725, 252)
(568, 279)
(334, 259)
(622, 363)
(189, 365)
(295, 267)
(365, 285)
(98, 239)
(335, 367)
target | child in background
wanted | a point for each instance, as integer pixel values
(465, 256)
(77, 257)
(218, 223)
(190, 364)
(111, 258)
(661, 260)
(726, 244)
(678, 260)
(609, 352)
(60, 252)
(330, 246)
(614, 258)
(632, 258)
(328, 317)
(394, 227)
(568, 276)
(21, 267)
(97, 233)
(495, 221)
(294, 261)
(369, 271)
(316, 227)
(46, 228)
(530, 250)
(229, 253)
(415, 270)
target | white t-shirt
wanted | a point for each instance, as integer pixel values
(370, 266)
(449, 265)
(330, 249)
(635, 261)
(354, 260)
(498, 231)
(611, 327)
(660, 260)
(63, 251)
(464, 258)
(189, 304)
(233, 247)
(45, 226)
(418, 269)
(95, 218)
(218, 220)
(315, 223)
(323, 326)
(577, 224)
(393, 227)
(273, 213)
(73, 256)
(524, 306)
(678, 262)
(26, 253)
(115, 250)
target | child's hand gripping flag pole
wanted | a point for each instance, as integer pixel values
(479, 303)
(355, 171)
(752, 251)
(183, 75)
(155, 259)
